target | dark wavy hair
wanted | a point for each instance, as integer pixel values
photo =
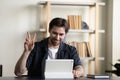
(59, 22)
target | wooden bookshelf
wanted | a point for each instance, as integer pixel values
(92, 58)
(78, 31)
(90, 31)
(61, 3)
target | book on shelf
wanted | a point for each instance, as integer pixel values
(98, 76)
(83, 48)
(75, 21)
(88, 49)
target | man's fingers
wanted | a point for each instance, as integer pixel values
(76, 74)
(28, 36)
(34, 37)
(27, 42)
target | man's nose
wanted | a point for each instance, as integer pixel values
(57, 36)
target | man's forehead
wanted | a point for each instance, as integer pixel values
(58, 28)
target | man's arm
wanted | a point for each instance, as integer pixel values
(78, 71)
(20, 67)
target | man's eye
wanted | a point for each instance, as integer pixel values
(61, 34)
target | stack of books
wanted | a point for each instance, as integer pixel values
(84, 48)
(75, 21)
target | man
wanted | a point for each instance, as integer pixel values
(53, 47)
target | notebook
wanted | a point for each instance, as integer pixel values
(98, 76)
(59, 68)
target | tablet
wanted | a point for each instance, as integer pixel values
(59, 68)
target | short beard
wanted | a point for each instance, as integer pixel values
(54, 44)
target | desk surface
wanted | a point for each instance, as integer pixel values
(27, 78)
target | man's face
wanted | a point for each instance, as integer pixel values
(57, 34)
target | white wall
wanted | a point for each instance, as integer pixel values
(116, 31)
(16, 18)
